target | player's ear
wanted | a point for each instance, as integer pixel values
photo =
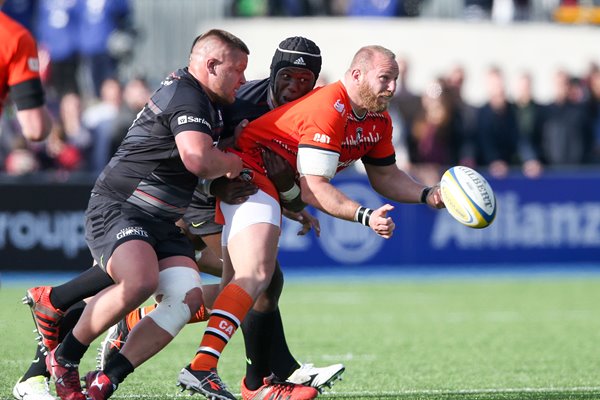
(356, 75)
(211, 65)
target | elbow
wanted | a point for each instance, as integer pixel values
(199, 169)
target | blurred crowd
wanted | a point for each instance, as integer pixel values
(83, 42)
(438, 128)
(500, 11)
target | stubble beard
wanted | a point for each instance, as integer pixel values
(370, 99)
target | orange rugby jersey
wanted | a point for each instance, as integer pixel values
(18, 56)
(322, 119)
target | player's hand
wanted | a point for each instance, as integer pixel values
(306, 219)
(434, 198)
(232, 191)
(279, 171)
(236, 166)
(382, 224)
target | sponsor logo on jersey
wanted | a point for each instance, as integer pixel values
(321, 138)
(190, 119)
(299, 61)
(339, 106)
(33, 64)
(132, 231)
(359, 132)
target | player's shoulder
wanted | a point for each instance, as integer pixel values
(178, 89)
(11, 30)
(329, 97)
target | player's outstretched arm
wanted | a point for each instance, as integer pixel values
(395, 184)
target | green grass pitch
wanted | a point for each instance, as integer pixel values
(400, 338)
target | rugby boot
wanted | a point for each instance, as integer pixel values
(112, 343)
(207, 383)
(98, 386)
(66, 378)
(45, 316)
(319, 378)
(273, 390)
(34, 388)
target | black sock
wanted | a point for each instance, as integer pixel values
(69, 320)
(37, 366)
(257, 328)
(117, 368)
(84, 285)
(281, 360)
(70, 351)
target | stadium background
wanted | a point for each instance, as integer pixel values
(551, 219)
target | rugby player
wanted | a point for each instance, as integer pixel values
(319, 134)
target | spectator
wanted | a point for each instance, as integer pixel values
(529, 122)
(374, 8)
(434, 141)
(298, 8)
(477, 9)
(566, 134)
(594, 112)
(58, 155)
(57, 30)
(135, 95)
(98, 22)
(76, 133)
(99, 119)
(403, 108)
(465, 114)
(497, 129)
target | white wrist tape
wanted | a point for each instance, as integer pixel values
(291, 194)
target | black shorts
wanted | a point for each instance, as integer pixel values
(109, 223)
(200, 216)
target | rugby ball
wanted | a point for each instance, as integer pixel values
(468, 197)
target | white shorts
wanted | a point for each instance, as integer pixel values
(259, 208)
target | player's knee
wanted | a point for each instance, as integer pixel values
(139, 290)
(262, 279)
(181, 295)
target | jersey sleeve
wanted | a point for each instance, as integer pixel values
(383, 153)
(190, 111)
(24, 76)
(322, 124)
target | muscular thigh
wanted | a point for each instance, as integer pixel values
(110, 224)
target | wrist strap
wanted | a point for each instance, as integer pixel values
(363, 215)
(425, 193)
(291, 194)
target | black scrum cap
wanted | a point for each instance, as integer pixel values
(296, 52)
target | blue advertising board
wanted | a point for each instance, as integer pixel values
(552, 219)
